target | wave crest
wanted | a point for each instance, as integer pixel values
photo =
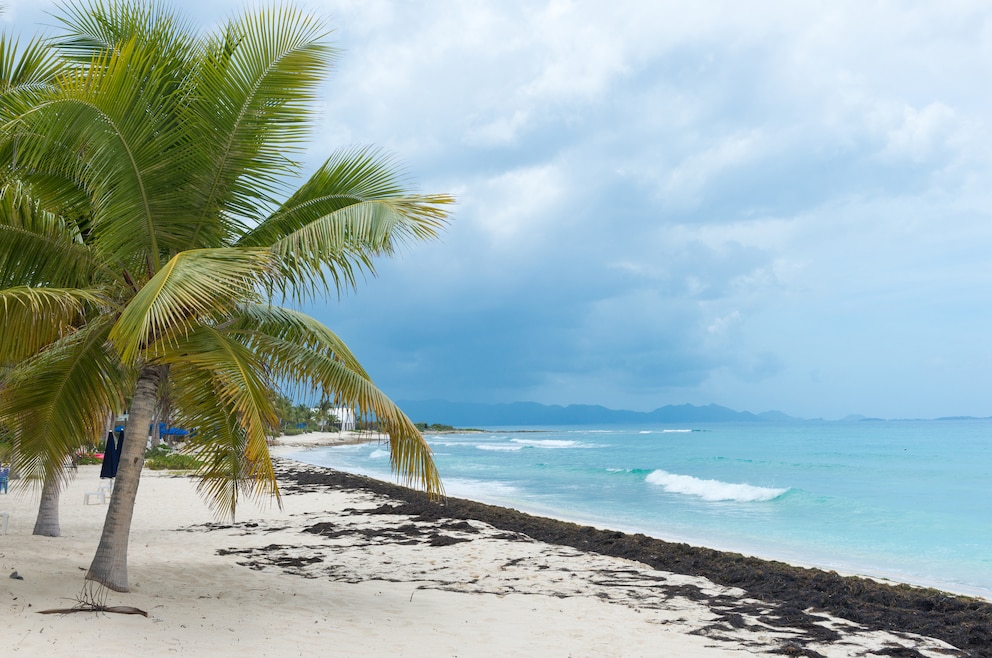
(712, 490)
(546, 443)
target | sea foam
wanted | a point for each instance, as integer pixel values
(546, 443)
(712, 490)
(481, 490)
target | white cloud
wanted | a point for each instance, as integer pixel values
(722, 324)
(513, 208)
(499, 131)
(732, 194)
(918, 134)
(687, 182)
(580, 56)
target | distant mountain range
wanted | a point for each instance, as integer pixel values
(467, 414)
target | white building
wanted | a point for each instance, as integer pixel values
(347, 418)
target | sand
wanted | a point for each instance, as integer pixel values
(318, 439)
(338, 573)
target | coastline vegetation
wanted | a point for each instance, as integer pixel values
(440, 428)
(164, 458)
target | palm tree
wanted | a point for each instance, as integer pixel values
(24, 73)
(162, 158)
(284, 409)
(302, 414)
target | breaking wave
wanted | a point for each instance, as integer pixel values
(546, 443)
(712, 490)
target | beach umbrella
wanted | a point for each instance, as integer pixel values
(111, 455)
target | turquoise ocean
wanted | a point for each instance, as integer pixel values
(906, 500)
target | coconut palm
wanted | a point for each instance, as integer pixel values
(24, 74)
(162, 160)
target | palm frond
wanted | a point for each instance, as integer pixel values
(31, 318)
(113, 128)
(24, 71)
(41, 248)
(222, 393)
(320, 367)
(255, 87)
(59, 400)
(348, 177)
(334, 250)
(91, 29)
(219, 444)
(192, 286)
(351, 210)
(293, 327)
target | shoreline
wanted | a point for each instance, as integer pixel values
(843, 569)
(356, 566)
(962, 620)
(324, 439)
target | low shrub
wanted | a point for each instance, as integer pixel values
(162, 458)
(158, 451)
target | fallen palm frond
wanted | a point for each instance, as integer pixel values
(93, 598)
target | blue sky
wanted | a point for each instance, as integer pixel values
(766, 205)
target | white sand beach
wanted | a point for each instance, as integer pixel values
(318, 439)
(360, 584)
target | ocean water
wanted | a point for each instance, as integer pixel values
(905, 500)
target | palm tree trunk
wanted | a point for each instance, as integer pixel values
(47, 523)
(109, 566)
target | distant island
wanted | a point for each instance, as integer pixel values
(472, 414)
(441, 428)
(533, 413)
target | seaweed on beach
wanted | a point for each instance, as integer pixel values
(798, 593)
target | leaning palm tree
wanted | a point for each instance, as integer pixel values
(166, 157)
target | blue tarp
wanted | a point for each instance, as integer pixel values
(171, 431)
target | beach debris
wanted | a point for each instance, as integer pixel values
(120, 609)
(93, 598)
(16, 576)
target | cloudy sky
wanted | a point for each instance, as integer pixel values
(764, 205)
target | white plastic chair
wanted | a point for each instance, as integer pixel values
(101, 497)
